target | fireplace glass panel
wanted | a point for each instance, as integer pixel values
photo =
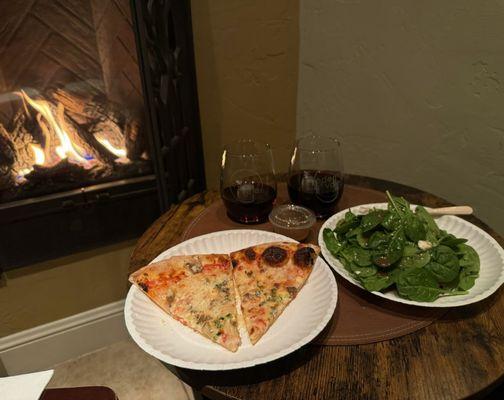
(71, 109)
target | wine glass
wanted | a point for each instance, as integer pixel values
(315, 177)
(247, 182)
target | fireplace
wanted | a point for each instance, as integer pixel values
(82, 164)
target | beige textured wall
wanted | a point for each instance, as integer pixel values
(59, 288)
(246, 62)
(415, 90)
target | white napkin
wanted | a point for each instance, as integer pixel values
(24, 387)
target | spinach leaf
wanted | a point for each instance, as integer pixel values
(362, 240)
(372, 219)
(377, 239)
(445, 255)
(443, 273)
(347, 264)
(470, 265)
(454, 292)
(466, 280)
(415, 261)
(444, 264)
(357, 255)
(362, 257)
(447, 239)
(432, 238)
(394, 273)
(432, 230)
(392, 252)
(418, 284)
(410, 249)
(353, 232)
(391, 221)
(357, 271)
(400, 208)
(398, 204)
(377, 282)
(349, 222)
(414, 228)
(470, 259)
(363, 272)
(427, 219)
(451, 286)
(347, 253)
(332, 244)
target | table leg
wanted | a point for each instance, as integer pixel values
(198, 395)
(195, 392)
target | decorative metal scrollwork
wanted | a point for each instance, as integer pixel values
(164, 41)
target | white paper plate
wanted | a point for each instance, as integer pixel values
(490, 252)
(171, 342)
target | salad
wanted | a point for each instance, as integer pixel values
(405, 249)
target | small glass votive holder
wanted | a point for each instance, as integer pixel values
(292, 221)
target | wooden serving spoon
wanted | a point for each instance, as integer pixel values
(455, 210)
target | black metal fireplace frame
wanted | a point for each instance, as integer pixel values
(163, 31)
(46, 227)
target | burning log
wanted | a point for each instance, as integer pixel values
(84, 109)
(6, 149)
(16, 143)
(135, 142)
(67, 141)
(83, 138)
(106, 120)
(62, 174)
(7, 159)
(48, 142)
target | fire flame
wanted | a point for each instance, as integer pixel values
(38, 153)
(58, 144)
(114, 150)
(66, 147)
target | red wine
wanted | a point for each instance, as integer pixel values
(316, 190)
(249, 203)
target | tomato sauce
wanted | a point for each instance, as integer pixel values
(215, 267)
(164, 279)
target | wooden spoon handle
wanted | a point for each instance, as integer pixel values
(455, 210)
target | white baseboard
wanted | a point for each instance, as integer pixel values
(46, 345)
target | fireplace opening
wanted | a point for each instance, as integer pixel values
(64, 140)
(71, 104)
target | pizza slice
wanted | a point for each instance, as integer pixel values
(196, 290)
(268, 277)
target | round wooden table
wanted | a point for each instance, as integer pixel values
(459, 355)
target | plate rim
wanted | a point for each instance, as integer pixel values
(239, 364)
(340, 270)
